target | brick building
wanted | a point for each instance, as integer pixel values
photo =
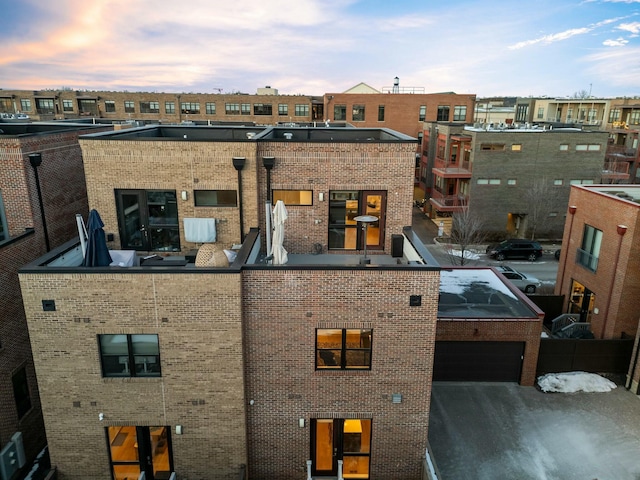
(41, 173)
(598, 272)
(493, 172)
(322, 364)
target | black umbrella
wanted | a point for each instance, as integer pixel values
(97, 251)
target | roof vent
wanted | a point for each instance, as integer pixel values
(288, 135)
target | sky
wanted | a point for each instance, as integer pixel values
(553, 48)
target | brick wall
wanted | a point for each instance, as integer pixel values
(198, 320)
(283, 309)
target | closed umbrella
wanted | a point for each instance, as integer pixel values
(277, 250)
(97, 254)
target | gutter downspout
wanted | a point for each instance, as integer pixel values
(36, 161)
(238, 164)
(268, 163)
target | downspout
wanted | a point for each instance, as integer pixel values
(36, 161)
(238, 164)
(268, 163)
(621, 229)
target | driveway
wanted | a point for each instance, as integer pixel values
(502, 431)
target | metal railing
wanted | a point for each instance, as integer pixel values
(586, 259)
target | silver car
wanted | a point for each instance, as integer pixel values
(526, 283)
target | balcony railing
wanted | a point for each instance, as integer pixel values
(587, 260)
(621, 151)
(448, 203)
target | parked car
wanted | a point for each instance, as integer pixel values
(515, 248)
(526, 283)
(557, 254)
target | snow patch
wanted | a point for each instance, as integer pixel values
(571, 382)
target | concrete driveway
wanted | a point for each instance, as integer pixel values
(502, 431)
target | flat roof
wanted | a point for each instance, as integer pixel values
(629, 193)
(254, 133)
(39, 128)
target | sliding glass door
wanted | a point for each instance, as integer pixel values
(344, 231)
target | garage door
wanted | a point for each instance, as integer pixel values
(478, 361)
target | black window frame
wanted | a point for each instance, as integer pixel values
(262, 109)
(588, 254)
(210, 108)
(190, 108)
(199, 201)
(232, 109)
(443, 113)
(343, 351)
(149, 107)
(283, 194)
(301, 110)
(381, 113)
(110, 106)
(132, 373)
(170, 107)
(283, 109)
(67, 105)
(339, 112)
(422, 113)
(21, 393)
(358, 113)
(129, 106)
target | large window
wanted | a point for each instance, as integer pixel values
(634, 117)
(4, 230)
(129, 355)
(148, 220)
(443, 113)
(21, 392)
(109, 106)
(45, 105)
(293, 197)
(589, 253)
(283, 109)
(423, 113)
(215, 198)
(25, 104)
(340, 112)
(459, 113)
(301, 110)
(190, 108)
(245, 108)
(149, 107)
(67, 105)
(343, 349)
(210, 108)
(262, 109)
(169, 107)
(344, 230)
(614, 115)
(522, 112)
(232, 108)
(129, 106)
(357, 113)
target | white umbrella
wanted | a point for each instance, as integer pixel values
(278, 218)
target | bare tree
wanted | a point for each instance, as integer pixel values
(467, 231)
(581, 94)
(540, 201)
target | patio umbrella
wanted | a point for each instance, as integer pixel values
(277, 250)
(97, 251)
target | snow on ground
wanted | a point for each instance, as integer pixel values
(571, 382)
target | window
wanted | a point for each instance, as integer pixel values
(569, 114)
(149, 107)
(215, 198)
(129, 355)
(88, 106)
(564, 147)
(45, 105)
(511, 181)
(67, 105)
(245, 108)
(381, 113)
(232, 108)
(592, 115)
(25, 104)
(494, 181)
(540, 112)
(293, 197)
(423, 113)
(522, 113)
(190, 108)
(169, 107)
(21, 392)
(589, 252)
(343, 349)
(340, 112)
(459, 113)
(109, 106)
(443, 113)
(634, 118)
(302, 110)
(614, 115)
(210, 108)
(494, 147)
(581, 182)
(4, 230)
(283, 109)
(516, 147)
(262, 109)
(488, 181)
(357, 113)
(558, 181)
(592, 147)
(129, 107)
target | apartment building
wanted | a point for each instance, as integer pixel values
(320, 367)
(623, 151)
(41, 189)
(515, 179)
(598, 272)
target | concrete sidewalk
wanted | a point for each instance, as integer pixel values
(502, 431)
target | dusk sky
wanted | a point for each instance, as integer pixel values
(312, 47)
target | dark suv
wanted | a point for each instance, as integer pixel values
(515, 248)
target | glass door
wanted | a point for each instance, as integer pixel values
(133, 450)
(581, 301)
(344, 231)
(348, 440)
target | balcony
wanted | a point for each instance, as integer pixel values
(448, 203)
(616, 170)
(448, 169)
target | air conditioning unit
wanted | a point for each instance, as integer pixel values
(8, 461)
(17, 439)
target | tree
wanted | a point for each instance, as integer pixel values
(581, 94)
(467, 230)
(540, 201)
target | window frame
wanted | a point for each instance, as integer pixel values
(190, 108)
(283, 109)
(358, 113)
(344, 349)
(131, 356)
(286, 195)
(151, 106)
(170, 107)
(25, 104)
(245, 109)
(110, 106)
(381, 113)
(21, 391)
(301, 110)
(67, 105)
(340, 112)
(443, 113)
(129, 106)
(263, 109)
(422, 113)
(459, 113)
(210, 108)
(232, 109)
(199, 201)
(588, 254)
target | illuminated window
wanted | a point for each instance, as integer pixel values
(293, 197)
(343, 349)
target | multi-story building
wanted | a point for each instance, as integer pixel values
(321, 364)
(598, 267)
(623, 151)
(41, 189)
(586, 112)
(515, 179)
